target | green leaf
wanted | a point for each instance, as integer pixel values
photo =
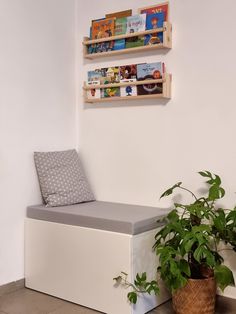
(204, 174)
(170, 191)
(224, 276)
(198, 253)
(210, 259)
(222, 192)
(211, 181)
(174, 268)
(184, 267)
(132, 296)
(231, 216)
(217, 180)
(140, 280)
(144, 276)
(152, 287)
(189, 244)
(219, 224)
(173, 216)
(202, 228)
(214, 192)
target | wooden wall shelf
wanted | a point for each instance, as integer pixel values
(167, 42)
(166, 93)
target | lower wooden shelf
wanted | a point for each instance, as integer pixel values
(128, 98)
(166, 91)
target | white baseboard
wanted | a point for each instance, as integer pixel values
(230, 292)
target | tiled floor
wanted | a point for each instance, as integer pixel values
(25, 301)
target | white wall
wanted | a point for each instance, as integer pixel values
(135, 150)
(37, 108)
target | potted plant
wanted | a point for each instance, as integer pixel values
(190, 262)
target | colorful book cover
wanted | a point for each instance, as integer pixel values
(110, 92)
(153, 21)
(95, 92)
(162, 7)
(128, 71)
(129, 90)
(149, 71)
(105, 80)
(111, 74)
(93, 21)
(135, 23)
(120, 28)
(102, 29)
(94, 75)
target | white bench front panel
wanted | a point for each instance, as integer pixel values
(78, 264)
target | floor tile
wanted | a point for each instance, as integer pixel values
(25, 301)
(225, 305)
(70, 308)
(163, 309)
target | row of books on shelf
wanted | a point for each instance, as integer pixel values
(124, 22)
(126, 74)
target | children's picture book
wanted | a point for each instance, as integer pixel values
(94, 75)
(105, 80)
(149, 71)
(162, 7)
(119, 14)
(128, 71)
(92, 48)
(95, 92)
(153, 21)
(110, 92)
(135, 23)
(129, 90)
(111, 74)
(102, 28)
(120, 28)
(94, 21)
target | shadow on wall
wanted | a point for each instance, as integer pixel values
(159, 53)
(124, 103)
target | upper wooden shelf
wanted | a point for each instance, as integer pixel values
(167, 42)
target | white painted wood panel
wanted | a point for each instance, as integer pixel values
(78, 264)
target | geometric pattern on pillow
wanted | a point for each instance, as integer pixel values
(62, 179)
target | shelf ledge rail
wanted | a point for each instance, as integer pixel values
(166, 90)
(167, 42)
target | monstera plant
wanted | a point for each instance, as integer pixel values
(190, 259)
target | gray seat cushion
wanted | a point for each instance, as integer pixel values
(116, 217)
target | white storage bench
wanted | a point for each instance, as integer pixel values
(74, 252)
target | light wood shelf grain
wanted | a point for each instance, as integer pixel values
(111, 99)
(123, 84)
(124, 36)
(167, 42)
(166, 90)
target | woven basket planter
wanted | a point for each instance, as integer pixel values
(198, 296)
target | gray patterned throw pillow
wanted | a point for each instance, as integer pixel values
(61, 178)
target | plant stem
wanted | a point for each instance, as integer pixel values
(181, 187)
